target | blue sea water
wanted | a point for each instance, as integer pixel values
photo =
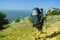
(16, 14)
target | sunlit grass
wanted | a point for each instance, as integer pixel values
(22, 30)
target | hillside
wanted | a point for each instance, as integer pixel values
(18, 31)
(53, 11)
(23, 30)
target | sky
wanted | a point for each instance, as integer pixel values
(28, 4)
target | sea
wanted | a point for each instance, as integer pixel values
(16, 14)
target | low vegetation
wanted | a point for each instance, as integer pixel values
(3, 20)
(23, 29)
(53, 11)
(17, 20)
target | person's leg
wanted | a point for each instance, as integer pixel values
(40, 29)
(38, 33)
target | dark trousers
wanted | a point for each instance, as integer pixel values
(40, 24)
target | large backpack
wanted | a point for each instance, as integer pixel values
(34, 16)
(40, 19)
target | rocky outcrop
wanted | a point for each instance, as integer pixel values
(53, 11)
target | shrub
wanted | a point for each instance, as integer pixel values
(17, 20)
(3, 20)
(54, 12)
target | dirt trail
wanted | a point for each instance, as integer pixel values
(54, 28)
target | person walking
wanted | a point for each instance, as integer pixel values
(38, 20)
(40, 23)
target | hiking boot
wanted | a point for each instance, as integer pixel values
(35, 38)
(39, 38)
(33, 25)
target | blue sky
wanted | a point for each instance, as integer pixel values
(28, 4)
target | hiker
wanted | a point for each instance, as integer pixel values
(40, 23)
(38, 20)
(34, 16)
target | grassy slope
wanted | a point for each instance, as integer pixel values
(23, 30)
(18, 31)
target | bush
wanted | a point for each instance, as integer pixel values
(17, 20)
(3, 20)
(54, 12)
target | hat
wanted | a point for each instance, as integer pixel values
(41, 9)
(36, 8)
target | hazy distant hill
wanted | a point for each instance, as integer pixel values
(53, 11)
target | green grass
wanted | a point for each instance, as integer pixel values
(18, 30)
(22, 30)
